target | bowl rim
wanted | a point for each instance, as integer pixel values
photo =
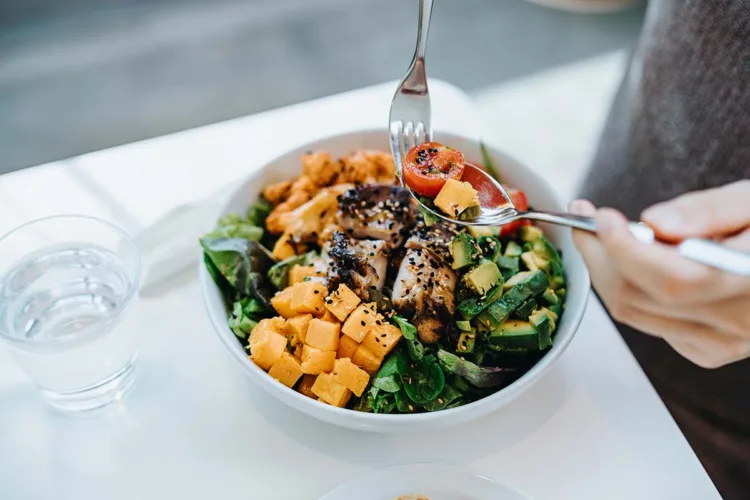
(363, 419)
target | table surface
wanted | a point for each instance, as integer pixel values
(196, 428)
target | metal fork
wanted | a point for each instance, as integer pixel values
(409, 118)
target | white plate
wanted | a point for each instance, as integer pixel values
(588, 6)
(436, 482)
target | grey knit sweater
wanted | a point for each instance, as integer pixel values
(680, 122)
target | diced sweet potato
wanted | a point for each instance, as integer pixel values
(308, 297)
(267, 348)
(275, 324)
(305, 386)
(284, 247)
(342, 301)
(381, 339)
(296, 328)
(286, 369)
(323, 335)
(315, 361)
(297, 274)
(330, 391)
(282, 302)
(361, 321)
(327, 316)
(347, 347)
(350, 375)
(365, 359)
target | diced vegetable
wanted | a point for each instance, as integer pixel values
(491, 247)
(483, 277)
(466, 342)
(515, 334)
(513, 250)
(525, 309)
(472, 307)
(464, 326)
(456, 197)
(530, 233)
(464, 250)
(286, 370)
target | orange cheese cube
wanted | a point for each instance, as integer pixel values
(266, 348)
(297, 273)
(286, 370)
(361, 321)
(347, 347)
(282, 302)
(296, 328)
(308, 297)
(365, 359)
(381, 339)
(315, 361)
(323, 335)
(330, 391)
(350, 376)
(342, 302)
(305, 386)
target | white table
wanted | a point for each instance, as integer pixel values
(195, 428)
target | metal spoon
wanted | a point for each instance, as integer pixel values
(496, 209)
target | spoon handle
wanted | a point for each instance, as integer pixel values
(704, 251)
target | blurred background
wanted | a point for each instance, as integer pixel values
(82, 75)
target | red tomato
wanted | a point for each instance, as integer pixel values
(428, 166)
(522, 204)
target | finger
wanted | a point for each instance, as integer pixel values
(659, 270)
(739, 242)
(587, 243)
(696, 342)
(708, 213)
(710, 350)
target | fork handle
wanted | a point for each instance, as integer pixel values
(704, 251)
(425, 11)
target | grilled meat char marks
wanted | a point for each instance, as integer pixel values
(424, 288)
(436, 239)
(377, 212)
(359, 264)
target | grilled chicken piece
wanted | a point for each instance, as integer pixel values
(377, 212)
(436, 238)
(425, 288)
(359, 264)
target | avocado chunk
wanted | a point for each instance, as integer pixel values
(543, 324)
(455, 197)
(483, 276)
(464, 326)
(516, 279)
(557, 274)
(513, 249)
(471, 307)
(545, 250)
(534, 262)
(509, 266)
(550, 297)
(514, 334)
(479, 231)
(525, 309)
(530, 234)
(464, 250)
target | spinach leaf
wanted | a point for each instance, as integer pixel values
(409, 331)
(278, 274)
(424, 381)
(243, 264)
(391, 383)
(403, 404)
(257, 213)
(448, 396)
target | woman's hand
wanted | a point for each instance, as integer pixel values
(703, 313)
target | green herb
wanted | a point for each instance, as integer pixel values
(409, 331)
(488, 165)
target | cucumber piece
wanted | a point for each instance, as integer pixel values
(513, 250)
(557, 308)
(483, 276)
(464, 326)
(530, 285)
(466, 342)
(525, 309)
(471, 307)
(464, 250)
(516, 279)
(543, 323)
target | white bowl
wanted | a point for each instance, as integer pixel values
(540, 195)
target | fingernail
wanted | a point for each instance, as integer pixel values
(578, 207)
(666, 218)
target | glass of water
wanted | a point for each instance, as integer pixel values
(68, 287)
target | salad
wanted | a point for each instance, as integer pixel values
(341, 289)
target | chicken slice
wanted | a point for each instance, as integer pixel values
(359, 264)
(377, 212)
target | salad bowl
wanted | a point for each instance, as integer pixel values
(540, 195)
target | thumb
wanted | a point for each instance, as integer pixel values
(709, 213)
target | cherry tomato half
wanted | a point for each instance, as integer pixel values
(429, 165)
(522, 204)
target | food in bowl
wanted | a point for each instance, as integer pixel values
(341, 289)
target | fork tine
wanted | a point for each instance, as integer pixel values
(397, 130)
(428, 133)
(409, 135)
(419, 135)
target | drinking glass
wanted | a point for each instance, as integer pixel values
(68, 290)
